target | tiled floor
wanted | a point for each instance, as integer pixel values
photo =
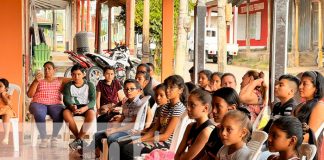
(27, 152)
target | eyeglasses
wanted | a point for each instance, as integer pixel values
(129, 89)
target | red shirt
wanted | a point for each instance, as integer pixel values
(109, 93)
(48, 93)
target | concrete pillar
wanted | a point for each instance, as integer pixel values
(278, 53)
(199, 40)
(130, 25)
(88, 16)
(109, 27)
(181, 38)
(222, 38)
(167, 39)
(146, 32)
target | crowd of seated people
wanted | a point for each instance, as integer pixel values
(222, 117)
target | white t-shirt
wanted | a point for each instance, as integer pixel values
(242, 154)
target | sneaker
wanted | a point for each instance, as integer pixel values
(43, 144)
(76, 144)
(54, 142)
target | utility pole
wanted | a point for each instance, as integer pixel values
(278, 53)
(181, 38)
(222, 42)
(146, 32)
(200, 24)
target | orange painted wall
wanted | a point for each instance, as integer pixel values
(11, 44)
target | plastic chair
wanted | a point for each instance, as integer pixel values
(34, 130)
(307, 151)
(14, 121)
(80, 119)
(262, 119)
(256, 142)
(139, 122)
(179, 131)
(141, 114)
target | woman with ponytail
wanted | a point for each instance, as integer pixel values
(253, 93)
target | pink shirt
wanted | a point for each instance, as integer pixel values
(48, 93)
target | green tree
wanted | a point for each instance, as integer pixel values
(155, 22)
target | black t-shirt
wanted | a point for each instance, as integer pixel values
(214, 143)
(285, 109)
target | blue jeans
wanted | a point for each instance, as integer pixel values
(39, 111)
(110, 139)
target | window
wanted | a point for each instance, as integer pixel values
(254, 26)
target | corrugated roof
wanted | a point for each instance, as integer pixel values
(51, 4)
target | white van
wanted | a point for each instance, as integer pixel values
(211, 46)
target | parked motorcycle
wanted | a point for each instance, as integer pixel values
(94, 73)
(119, 58)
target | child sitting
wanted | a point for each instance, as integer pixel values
(235, 131)
(79, 97)
(197, 133)
(6, 111)
(132, 90)
(109, 90)
(285, 137)
(223, 100)
(285, 91)
(204, 78)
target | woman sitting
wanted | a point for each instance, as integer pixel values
(47, 100)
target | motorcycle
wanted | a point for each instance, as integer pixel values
(93, 74)
(125, 66)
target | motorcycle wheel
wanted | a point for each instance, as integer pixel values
(67, 72)
(94, 74)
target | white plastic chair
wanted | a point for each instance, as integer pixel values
(141, 114)
(307, 151)
(80, 120)
(179, 131)
(256, 142)
(34, 130)
(264, 115)
(14, 121)
(139, 123)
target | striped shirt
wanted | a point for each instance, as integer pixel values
(167, 112)
(48, 93)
